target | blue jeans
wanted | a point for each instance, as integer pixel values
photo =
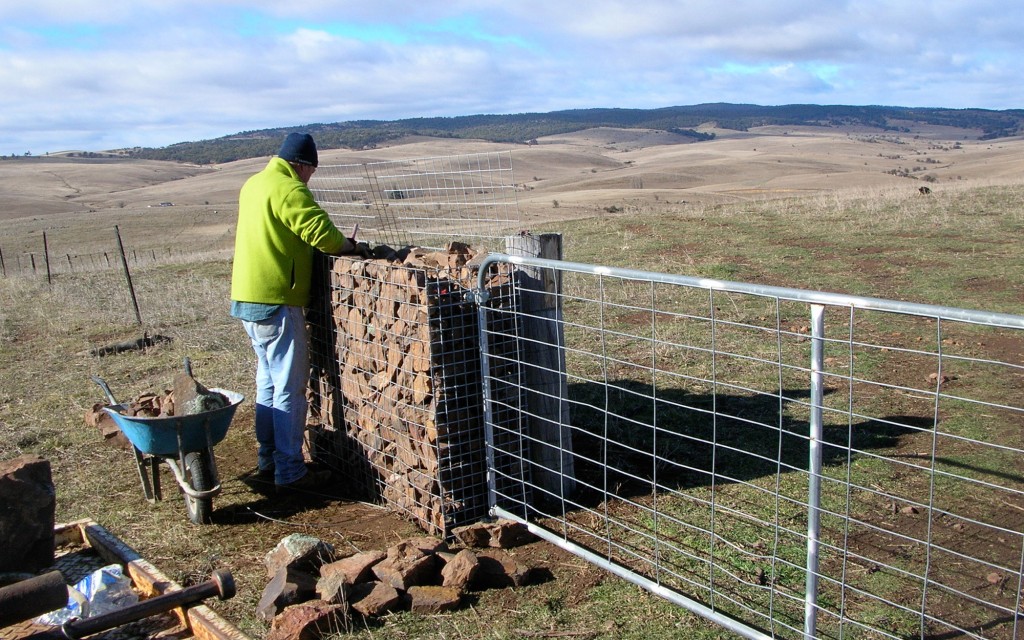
(282, 372)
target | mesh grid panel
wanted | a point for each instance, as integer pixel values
(424, 201)
(396, 393)
(397, 390)
(795, 464)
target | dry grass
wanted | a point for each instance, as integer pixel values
(803, 219)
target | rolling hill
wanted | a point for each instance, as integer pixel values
(688, 123)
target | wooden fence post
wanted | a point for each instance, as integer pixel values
(127, 274)
(543, 360)
(46, 257)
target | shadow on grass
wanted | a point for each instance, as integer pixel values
(630, 443)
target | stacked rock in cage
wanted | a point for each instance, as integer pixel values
(397, 393)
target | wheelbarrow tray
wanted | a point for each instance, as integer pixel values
(159, 436)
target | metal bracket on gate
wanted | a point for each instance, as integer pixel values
(479, 297)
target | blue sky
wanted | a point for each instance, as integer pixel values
(103, 74)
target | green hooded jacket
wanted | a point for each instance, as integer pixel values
(279, 225)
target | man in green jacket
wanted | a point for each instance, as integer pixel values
(279, 226)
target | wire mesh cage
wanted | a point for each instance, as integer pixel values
(396, 393)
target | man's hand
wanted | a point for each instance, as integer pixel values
(360, 249)
(363, 250)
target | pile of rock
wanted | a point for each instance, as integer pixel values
(186, 397)
(315, 590)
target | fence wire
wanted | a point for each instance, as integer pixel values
(397, 389)
(425, 202)
(787, 463)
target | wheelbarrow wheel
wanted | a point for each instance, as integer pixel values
(199, 475)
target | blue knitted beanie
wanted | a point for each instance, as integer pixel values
(299, 147)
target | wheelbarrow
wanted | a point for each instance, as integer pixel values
(184, 442)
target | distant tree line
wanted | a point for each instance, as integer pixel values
(525, 127)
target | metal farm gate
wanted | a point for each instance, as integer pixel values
(786, 463)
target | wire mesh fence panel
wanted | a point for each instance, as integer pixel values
(425, 202)
(787, 463)
(397, 389)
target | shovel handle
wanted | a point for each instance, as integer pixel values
(106, 389)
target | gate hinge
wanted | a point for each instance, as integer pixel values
(479, 297)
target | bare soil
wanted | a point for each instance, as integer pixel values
(249, 519)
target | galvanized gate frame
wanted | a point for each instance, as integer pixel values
(817, 302)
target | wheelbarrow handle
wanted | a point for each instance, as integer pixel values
(106, 389)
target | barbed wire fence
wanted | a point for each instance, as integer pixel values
(59, 258)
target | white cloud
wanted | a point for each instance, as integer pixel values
(80, 73)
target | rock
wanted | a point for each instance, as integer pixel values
(936, 378)
(287, 587)
(433, 599)
(404, 572)
(353, 569)
(100, 420)
(461, 570)
(474, 536)
(334, 588)
(299, 551)
(416, 547)
(502, 534)
(418, 573)
(309, 621)
(455, 246)
(371, 599)
(28, 500)
(506, 534)
(150, 405)
(499, 570)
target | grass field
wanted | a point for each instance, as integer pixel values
(958, 246)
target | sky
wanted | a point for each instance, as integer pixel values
(95, 75)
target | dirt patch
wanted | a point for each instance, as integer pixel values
(250, 520)
(994, 285)
(1005, 347)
